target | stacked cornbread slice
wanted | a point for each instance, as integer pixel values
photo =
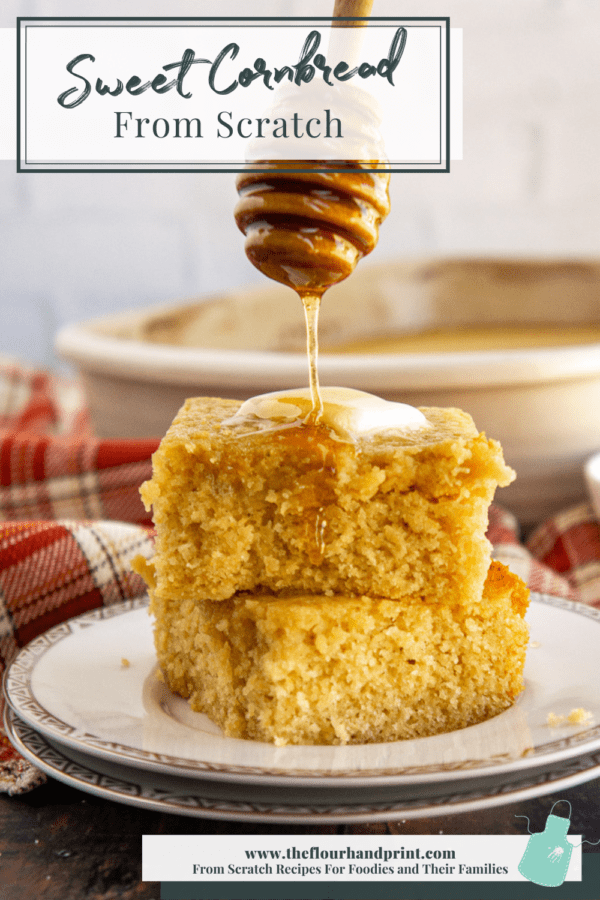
(311, 589)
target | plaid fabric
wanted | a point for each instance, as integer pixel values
(68, 504)
(569, 543)
(50, 571)
(561, 557)
(51, 466)
(71, 521)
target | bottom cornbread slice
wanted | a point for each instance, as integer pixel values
(335, 670)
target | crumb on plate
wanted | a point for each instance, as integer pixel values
(577, 716)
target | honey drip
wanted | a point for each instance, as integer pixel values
(312, 303)
(322, 457)
(308, 230)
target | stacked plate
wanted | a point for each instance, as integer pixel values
(86, 704)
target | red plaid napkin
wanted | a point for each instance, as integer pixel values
(71, 521)
(561, 557)
(51, 466)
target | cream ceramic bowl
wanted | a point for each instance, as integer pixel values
(543, 404)
(592, 477)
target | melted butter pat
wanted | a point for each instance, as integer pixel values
(347, 412)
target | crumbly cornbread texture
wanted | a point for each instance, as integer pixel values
(400, 515)
(311, 590)
(327, 670)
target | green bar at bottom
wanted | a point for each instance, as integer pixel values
(586, 889)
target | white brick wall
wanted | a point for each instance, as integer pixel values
(78, 245)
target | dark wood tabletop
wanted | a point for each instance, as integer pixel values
(58, 843)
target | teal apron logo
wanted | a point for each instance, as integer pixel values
(548, 852)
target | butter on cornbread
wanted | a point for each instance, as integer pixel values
(311, 590)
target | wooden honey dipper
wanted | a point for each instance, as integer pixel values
(309, 229)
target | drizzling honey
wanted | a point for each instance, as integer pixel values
(312, 303)
(308, 229)
(322, 456)
(321, 449)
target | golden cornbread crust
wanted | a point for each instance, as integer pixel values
(308, 590)
(334, 670)
(399, 515)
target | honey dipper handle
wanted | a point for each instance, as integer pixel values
(351, 8)
(345, 44)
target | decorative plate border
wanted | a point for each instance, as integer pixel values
(141, 793)
(18, 693)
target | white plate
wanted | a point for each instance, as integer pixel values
(70, 684)
(211, 800)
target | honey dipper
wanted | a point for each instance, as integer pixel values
(308, 229)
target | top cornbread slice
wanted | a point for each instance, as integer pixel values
(292, 511)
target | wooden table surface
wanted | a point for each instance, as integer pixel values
(57, 843)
